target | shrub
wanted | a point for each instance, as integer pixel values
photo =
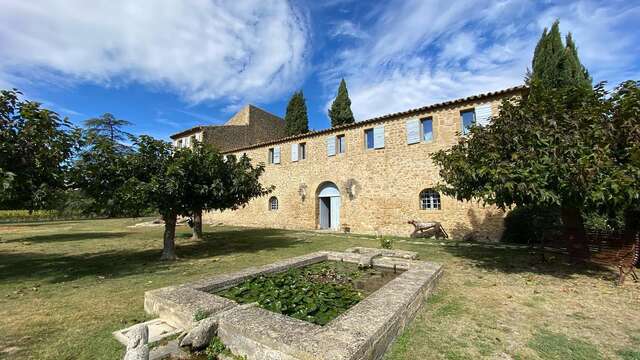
(386, 243)
(215, 349)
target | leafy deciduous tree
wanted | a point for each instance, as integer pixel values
(102, 167)
(544, 150)
(35, 146)
(179, 182)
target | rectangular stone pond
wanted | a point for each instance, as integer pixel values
(362, 299)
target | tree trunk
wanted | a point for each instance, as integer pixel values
(169, 250)
(574, 233)
(197, 225)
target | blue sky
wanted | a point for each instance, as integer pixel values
(166, 65)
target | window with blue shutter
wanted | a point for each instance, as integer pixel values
(294, 152)
(342, 145)
(468, 118)
(427, 129)
(483, 114)
(368, 138)
(303, 151)
(378, 137)
(413, 131)
(276, 155)
(331, 145)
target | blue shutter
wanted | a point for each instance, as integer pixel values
(331, 145)
(483, 114)
(294, 152)
(378, 137)
(413, 131)
(276, 155)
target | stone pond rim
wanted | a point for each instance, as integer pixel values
(364, 331)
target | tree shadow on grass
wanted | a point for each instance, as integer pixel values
(69, 237)
(514, 258)
(56, 267)
(498, 257)
(39, 223)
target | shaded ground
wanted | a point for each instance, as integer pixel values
(65, 286)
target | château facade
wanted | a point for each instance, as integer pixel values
(369, 177)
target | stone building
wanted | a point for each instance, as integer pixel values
(248, 126)
(368, 177)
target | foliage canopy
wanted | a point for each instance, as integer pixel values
(35, 148)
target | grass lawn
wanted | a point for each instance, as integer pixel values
(66, 285)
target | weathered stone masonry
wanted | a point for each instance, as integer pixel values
(379, 188)
(249, 126)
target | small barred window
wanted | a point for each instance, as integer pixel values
(273, 203)
(430, 200)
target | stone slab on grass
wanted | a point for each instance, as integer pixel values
(158, 330)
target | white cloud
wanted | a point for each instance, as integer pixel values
(425, 51)
(606, 34)
(349, 29)
(201, 49)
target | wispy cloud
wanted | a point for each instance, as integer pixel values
(61, 109)
(201, 118)
(202, 50)
(424, 51)
(171, 123)
(348, 29)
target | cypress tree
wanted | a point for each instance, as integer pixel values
(548, 58)
(340, 112)
(555, 64)
(576, 73)
(296, 120)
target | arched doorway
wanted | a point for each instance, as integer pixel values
(329, 206)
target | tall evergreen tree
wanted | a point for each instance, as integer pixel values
(555, 64)
(576, 73)
(340, 112)
(107, 126)
(296, 119)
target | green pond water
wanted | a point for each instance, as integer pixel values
(317, 293)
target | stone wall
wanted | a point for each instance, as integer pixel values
(379, 187)
(248, 126)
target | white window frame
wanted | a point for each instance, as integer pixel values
(430, 200)
(433, 133)
(474, 122)
(366, 139)
(273, 203)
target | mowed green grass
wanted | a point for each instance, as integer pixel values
(66, 285)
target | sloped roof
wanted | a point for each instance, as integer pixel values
(387, 117)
